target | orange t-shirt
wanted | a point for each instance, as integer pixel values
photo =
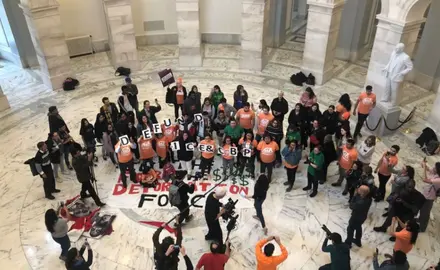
(248, 144)
(169, 132)
(245, 118)
(208, 155)
(125, 154)
(366, 102)
(162, 147)
(180, 96)
(263, 121)
(341, 110)
(403, 241)
(348, 157)
(227, 152)
(267, 151)
(146, 150)
(392, 160)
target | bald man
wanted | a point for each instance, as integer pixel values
(213, 213)
(360, 205)
(279, 107)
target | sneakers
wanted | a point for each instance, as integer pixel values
(336, 184)
(286, 183)
(63, 258)
(357, 242)
(307, 188)
(289, 189)
(313, 194)
(344, 192)
(101, 204)
(379, 229)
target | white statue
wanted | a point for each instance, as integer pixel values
(399, 65)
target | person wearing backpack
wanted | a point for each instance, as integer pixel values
(178, 194)
(431, 191)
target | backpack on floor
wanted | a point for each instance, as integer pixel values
(70, 84)
(431, 147)
(174, 194)
(298, 78)
(123, 71)
(310, 79)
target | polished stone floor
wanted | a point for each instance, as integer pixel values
(25, 243)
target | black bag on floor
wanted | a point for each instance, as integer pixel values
(31, 163)
(298, 78)
(427, 135)
(310, 79)
(123, 71)
(70, 84)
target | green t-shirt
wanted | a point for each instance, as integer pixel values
(318, 160)
(235, 133)
(216, 97)
(293, 136)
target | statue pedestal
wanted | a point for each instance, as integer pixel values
(391, 115)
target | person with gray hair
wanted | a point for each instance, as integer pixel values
(360, 205)
(213, 211)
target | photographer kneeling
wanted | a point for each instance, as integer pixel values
(339, 253)
(213, 213)
(81, 164)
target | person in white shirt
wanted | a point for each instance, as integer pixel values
(366, 150)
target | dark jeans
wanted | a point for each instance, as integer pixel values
(215, 231)
(325, 171)
(269, 167)
(258, 204)
(66, 150)
(278, 152)
(123, 167)
(64, 243)
(183, 214)
(390, 216)
(176, 109)
(49, 181)
(383, 179)
(354, 225)
(361, 119)
(87, 187)
(312, 181)
(205, 165)
(291, 174)
(425, 211)
(249, 162)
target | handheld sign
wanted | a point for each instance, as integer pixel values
(124, 140)
(189, 147)
(206, 148)
(247, 152)
(146, 133)
(198, 117)
(166, 77)
(175, 146)
(233, 151)
(167, 123)
(157, 129)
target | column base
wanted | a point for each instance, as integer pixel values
(391, 115)
(252, 60)
(4, 103)
(190, 57)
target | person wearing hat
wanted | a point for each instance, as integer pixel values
(179, 96)
(364, 104)
(213, 211)
(55, 120)
(132, 91)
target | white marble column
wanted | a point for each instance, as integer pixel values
(4, 103)
(188, 27)
(44, 23)
(120, 28)
(254, 34)
(323, 23)
(302, 8)
(434, 117)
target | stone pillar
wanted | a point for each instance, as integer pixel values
(427, 58)
(280, 7)
(121, 34)
(44, 23)
(302, 8)
(188, 26)
(255, 34)
(323, 23)
(4, 103)
(434, 117)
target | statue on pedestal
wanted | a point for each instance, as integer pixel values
(399, 65)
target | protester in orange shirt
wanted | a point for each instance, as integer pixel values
(161, 146)
(344, 105)
(170, 132)
(366, 102)
(407, 237)
(348, 157)
(267, 149)
(264, 252)
(146, 152)
(208, 152)
(245, 117)
(384, 170)
(228, 159)
(263, 120)
(248, 146)
(125, 158)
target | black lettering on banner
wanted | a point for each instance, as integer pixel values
(233, 151)
(175, 146)
(157, 129)
(167, 122)
(159, 201)
(195, 199)
(189, 147)
(146, 133)
(124, 140)
(146, 197)
(198, 117)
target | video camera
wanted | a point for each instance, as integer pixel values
(326, 230)
(197, 176)
(229, 208)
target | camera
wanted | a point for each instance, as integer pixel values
(326, 230)
(229, 208)
(197, 176)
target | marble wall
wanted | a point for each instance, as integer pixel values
(254, 36)
(188, 26)
(322, 34)
(44, 23)
(122, 39)
(4, 103)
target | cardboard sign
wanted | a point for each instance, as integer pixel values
(175, 146)
(167, 123)
(157, 129)
(124, 140)
(247, 152)
(233, 151)
(206, 148)
(166, 77)
(146, 133)
(189, 147)
(198, 117)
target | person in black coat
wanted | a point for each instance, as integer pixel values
(260, 192)
(240, 97)
(110, 111)
(54, 145)
(55, 120)
(192, 106)
(150, 111)
(279, 107)
(314, 114)
(132, 93)
(122, 125)
(317, 135)
(186, 157)
(360, 205)
(330, 155)
(298, 117)
(184, 190)
(330, 120)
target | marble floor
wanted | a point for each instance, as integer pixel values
(25, 243)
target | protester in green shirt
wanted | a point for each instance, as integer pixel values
(293, 134)
(316, 164)
(216, 96)
(234, 130)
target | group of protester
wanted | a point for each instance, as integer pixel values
(257, 133)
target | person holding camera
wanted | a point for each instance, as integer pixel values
(183, 189)
(216, 259)
(397, 261)
(339, 253)
(213, 213)
(384, 170)
(81, 164)
(360, 205)
(264, 251)
(75, 259)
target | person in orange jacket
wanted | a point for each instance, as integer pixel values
(265, 260)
